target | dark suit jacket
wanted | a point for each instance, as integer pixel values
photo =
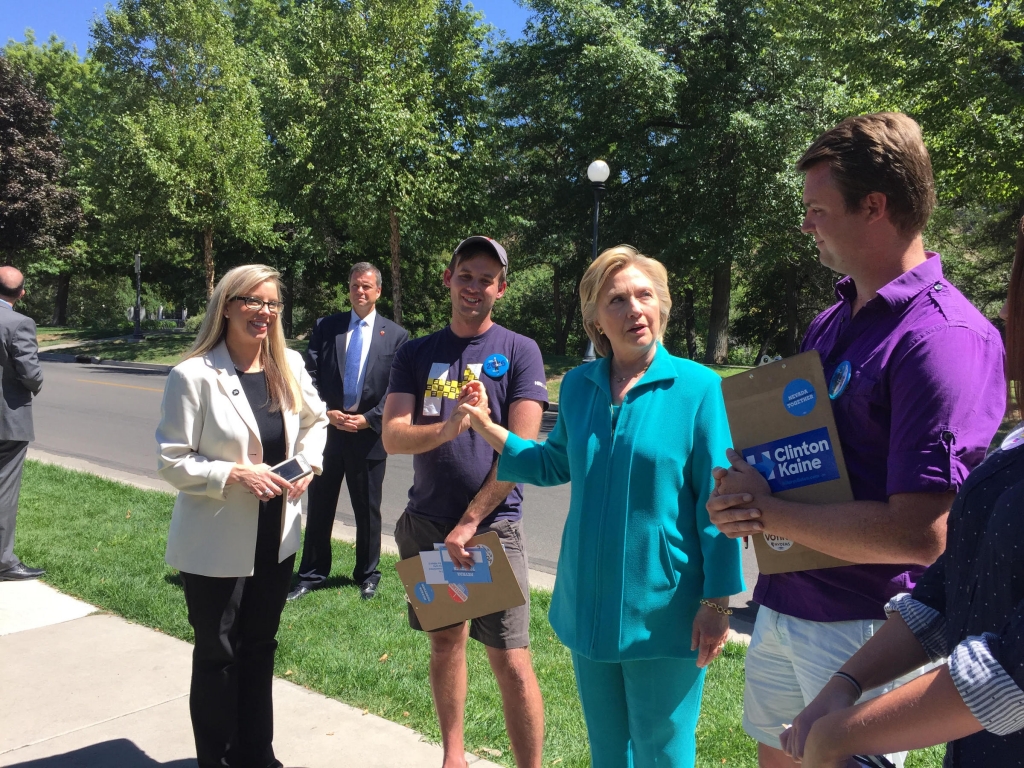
(22, 376)
(325, 361)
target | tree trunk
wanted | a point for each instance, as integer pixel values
(556, 305)
(396, 269)
(791, 338)
(208, 260)
(60, 306)
(717, 349)
(690, 323)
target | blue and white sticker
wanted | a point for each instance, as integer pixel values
(793, 462)
(496, 366)
(840, 379)
(799, 397)
(424, 592)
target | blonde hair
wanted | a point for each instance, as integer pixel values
(282, 386)
(603, 267)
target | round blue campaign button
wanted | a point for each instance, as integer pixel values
(799, 397)
(840, 379)
(424, 592)
(496, 366)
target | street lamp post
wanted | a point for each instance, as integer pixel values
(598, 174)
(138, 296)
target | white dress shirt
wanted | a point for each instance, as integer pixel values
(367, 331)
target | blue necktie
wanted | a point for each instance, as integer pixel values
(352, 359)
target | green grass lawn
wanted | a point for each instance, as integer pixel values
(104, 542)
(50, 335)
(164, 348)
(556, 366)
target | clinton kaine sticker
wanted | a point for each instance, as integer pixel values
(793, 462)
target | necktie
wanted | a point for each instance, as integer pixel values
(352, 359)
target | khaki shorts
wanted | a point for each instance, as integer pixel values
(505, 629)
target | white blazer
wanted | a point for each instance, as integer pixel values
(206, 427)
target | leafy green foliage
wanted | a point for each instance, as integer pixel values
(38, 211)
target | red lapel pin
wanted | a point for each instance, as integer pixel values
(382, 333)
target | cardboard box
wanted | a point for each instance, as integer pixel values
(440, 603)
(782, 423)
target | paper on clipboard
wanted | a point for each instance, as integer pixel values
(443, 604)
(781, 420)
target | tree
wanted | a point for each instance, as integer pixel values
(374, 121)
(70, 86)
(38, 212)
(186, 149)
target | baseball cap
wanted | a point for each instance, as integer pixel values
(494, 245)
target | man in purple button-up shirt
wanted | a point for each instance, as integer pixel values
(925, 395)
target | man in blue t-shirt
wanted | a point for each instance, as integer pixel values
(455, 493)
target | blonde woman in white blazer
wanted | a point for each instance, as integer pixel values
(240, 402)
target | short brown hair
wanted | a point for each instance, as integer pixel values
(603, 267)
(885, 153)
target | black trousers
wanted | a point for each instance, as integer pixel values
(344, 458)
(235, 622)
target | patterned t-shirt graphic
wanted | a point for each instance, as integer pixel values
(438, 386)
(434, 369)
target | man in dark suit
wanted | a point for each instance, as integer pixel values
(22, 378)
(349, 358)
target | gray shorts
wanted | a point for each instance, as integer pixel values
(505, 629)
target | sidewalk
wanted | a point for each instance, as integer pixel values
(82, 689)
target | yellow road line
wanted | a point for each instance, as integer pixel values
(125, 386)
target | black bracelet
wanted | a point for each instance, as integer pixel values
(851, 680)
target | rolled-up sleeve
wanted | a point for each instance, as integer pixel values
(177, 437)
(927, 624)
(947, 400)
(988, 689)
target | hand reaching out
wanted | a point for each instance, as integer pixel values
(473, 401)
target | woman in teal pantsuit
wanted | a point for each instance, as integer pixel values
(644, 578)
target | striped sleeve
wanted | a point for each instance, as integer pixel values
(986, 687)
(927, 624)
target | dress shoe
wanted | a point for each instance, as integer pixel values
(300, 591)
(367, 591)
(21, 572)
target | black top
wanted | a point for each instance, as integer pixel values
(271, 425)
(978, 586)
(271, 429)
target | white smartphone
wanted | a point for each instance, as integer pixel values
(293, 469)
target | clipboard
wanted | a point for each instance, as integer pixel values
(781, 419)
(441, 605)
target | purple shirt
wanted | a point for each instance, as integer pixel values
(926, 396)
(434, 368)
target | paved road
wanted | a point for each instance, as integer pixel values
(108, 415)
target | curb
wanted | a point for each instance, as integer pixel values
(56, 357)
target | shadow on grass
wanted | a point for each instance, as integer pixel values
(117, 752)
(174, 579)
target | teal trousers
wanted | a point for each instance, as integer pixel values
(640, 714)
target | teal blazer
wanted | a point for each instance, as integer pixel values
(638, 549)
